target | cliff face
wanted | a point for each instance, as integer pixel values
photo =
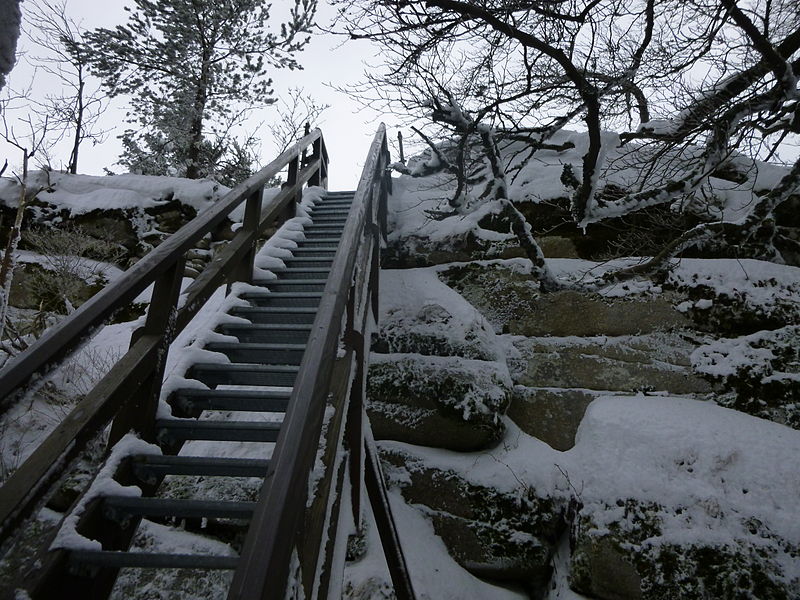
(606, 440)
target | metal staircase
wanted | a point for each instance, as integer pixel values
(297, 354)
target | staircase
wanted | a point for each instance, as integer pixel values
(294, 384)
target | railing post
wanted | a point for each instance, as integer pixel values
(140, 413)
(243, 271)
(400, 144)
(291, 179)
(316, 178)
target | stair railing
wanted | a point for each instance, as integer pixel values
(294, 547)
(130, 391)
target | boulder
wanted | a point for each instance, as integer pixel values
(493, 534)
(413, 251)
(657, 362)
(421, 315)
(620, 553)
(551, 415)
(443, 402)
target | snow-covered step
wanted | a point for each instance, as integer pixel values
(292, 285)
(267, 333)
(150, 467)
(147, 560)
(272, 354)
(193, 401)
(286, 315)
(277, 299)
(119, 508)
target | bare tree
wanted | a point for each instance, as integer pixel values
(74, 112)
(697, 83)
(30, 145)
(295, 111)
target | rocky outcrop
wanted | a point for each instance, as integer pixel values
(443, 402)
(502, 536)
(626, 558)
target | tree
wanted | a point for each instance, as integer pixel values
(295, 112)
(720, 78)
(193, 68)
(72, 113)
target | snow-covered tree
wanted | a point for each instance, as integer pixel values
(10, 18)
(193, 68)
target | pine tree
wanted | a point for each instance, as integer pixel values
(193, 68)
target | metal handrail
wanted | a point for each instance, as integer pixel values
(275, 531)
(130, 390)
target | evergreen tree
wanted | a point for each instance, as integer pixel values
(193, 68)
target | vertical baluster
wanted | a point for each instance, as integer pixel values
(243, 271)
(139, 414)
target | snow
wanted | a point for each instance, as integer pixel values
(103, 485)
(80, 194)
(719, 465)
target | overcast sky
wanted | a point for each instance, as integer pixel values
(326, 60)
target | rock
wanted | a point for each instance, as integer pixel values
(412, 251)
(759, 374)
(443, 402)
(421, 315)
(551, 415)
(501, 293)
(503, 536)
(578, 313)
(657, 362)
(628, 558)
(554, 246)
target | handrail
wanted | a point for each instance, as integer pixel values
(64, 336)
(274, 533)
(131, 389)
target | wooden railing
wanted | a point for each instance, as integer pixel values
(129, 392)
(292, 544)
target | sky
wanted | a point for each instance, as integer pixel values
(327, 60)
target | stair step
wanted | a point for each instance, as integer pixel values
(327, 252)
(265, 354)
(244, 374)
(329, 211)
(286, 315)
(148, 467)
(318, 244)
(302, 272)
(195, 401)
(325, 226)
(292, 285)
(117, 508)
(329, 220)
(283, 299)
(310, 262)
(147, 560)
(267, 333)
(177, 430)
